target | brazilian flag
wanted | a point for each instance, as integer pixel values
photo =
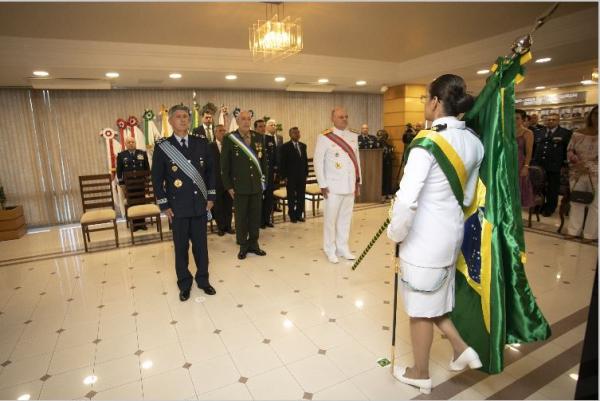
(494, 303)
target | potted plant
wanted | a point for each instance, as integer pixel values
(12, 220)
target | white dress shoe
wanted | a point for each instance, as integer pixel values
(347, 255)
(424, 385)
(468, 358)
(333, 258)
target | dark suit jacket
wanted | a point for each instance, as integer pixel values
(173, 188)
(214, 148)
(201, 132)
(293, 166)
(127, 162)
(553, 150)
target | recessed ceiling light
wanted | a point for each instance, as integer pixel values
(361, 83)
(279, 79)
(540, 88)
(90, 379)
(323, 80)
(24, 397)
(587, 82)
(147, 364)
(383, 88)
(112, 75)
(543, 60)
(175, 75)
(483, 72)
(41, 73)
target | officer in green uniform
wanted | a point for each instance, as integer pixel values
(243, 167)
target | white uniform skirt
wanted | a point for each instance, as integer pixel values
(426, 291)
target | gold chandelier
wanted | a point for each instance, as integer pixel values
(273, 38)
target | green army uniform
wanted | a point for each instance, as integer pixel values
(241, 173)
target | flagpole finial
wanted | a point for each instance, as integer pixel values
(522, 45)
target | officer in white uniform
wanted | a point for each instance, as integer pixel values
(340, 184)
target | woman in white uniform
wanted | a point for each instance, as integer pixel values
(428, 222)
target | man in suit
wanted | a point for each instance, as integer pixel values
(366, 141)
(183, 174)
(131, 159)
(293, 168)
(222, 211)
(271, 129)
(206, 129)
(551, 155)
(243, 164)
(337, 167)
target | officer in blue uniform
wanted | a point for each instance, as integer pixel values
(131, 159)
(183, 176)
(365, 140)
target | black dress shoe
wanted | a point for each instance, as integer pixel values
(301, 219)
(242, 255)
(263, 226)
(270, 225)
(221, 233)
(258, 252)
(230, 231)
(209, 290)
(184, 295)
(293, 220)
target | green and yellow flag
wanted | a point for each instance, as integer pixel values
(493, 296)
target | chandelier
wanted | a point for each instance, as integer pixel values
(273, 38)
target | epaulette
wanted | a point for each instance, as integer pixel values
(327, 131)
(439, 127)
(160, 140)
(351, 130)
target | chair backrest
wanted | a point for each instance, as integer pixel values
(138, 187)
(537, 176)
(312, 177)
(96, 192)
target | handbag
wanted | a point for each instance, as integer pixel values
(583, 197)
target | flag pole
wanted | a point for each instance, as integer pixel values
(395, 306)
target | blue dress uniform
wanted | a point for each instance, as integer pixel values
(131, 160)
(176, 190)
(367, 142)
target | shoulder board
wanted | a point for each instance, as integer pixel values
(327, 131)
(159, 141)
(351, 130)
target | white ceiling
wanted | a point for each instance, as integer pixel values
(382, 43)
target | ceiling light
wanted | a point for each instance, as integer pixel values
(287, 324)
(147, 364)
(587, 82)
(543, 60)
(279, 79)
(273, 38)
(359, 303)
(41, 73)
(175, 75)
(539, 88)
(24, 397)
(323, 80)
(361, 83)
(383, 89)
(483, 72)
(90, 379)
(230, 77)
(112, 75)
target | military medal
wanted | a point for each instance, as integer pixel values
(174, 168)
(140, 157)
(337, 154)
(338, 165)
(178, 183)
(201, 162)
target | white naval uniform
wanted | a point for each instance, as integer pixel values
(335, 171)
(428, 222)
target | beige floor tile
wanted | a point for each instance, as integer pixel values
(24, 370)
(316, 373)
(116, 347)
(342, 391)
(173, 385)
(205, 346)
(34, 346)
(31, 388)
(255, 359)
(130, 391)
(241, 336)
(235, 391)
(378, 383)
(161, 359)
(68, 385)
(116, 372)
(294, 347)
(214, 373)
(352, 358)
(277, 384)
(72, 358)
(327, 335)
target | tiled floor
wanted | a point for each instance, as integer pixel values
(109, 324)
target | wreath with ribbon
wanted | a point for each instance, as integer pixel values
(149, 115)
(121, 123)
(108, 133)
(132, 121)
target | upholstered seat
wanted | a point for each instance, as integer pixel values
(143, 211)
(98, 216)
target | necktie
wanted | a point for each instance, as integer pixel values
(210, 134)
(297, 149)
(183, 144)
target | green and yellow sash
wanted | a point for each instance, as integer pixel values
(449, 161)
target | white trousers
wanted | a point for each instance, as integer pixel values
(336, 227)
(577, 211)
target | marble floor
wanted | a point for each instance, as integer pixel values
(109, 325)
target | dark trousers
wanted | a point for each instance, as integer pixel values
(247, 220)
(186, 229)
(386, 179)
(222, 210)
(295, 197)
(553, 179)
(267, 205)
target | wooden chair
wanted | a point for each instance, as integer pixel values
(280, 196)
(141, 203)
(313, 191)
(537, 176)
(98, 205)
